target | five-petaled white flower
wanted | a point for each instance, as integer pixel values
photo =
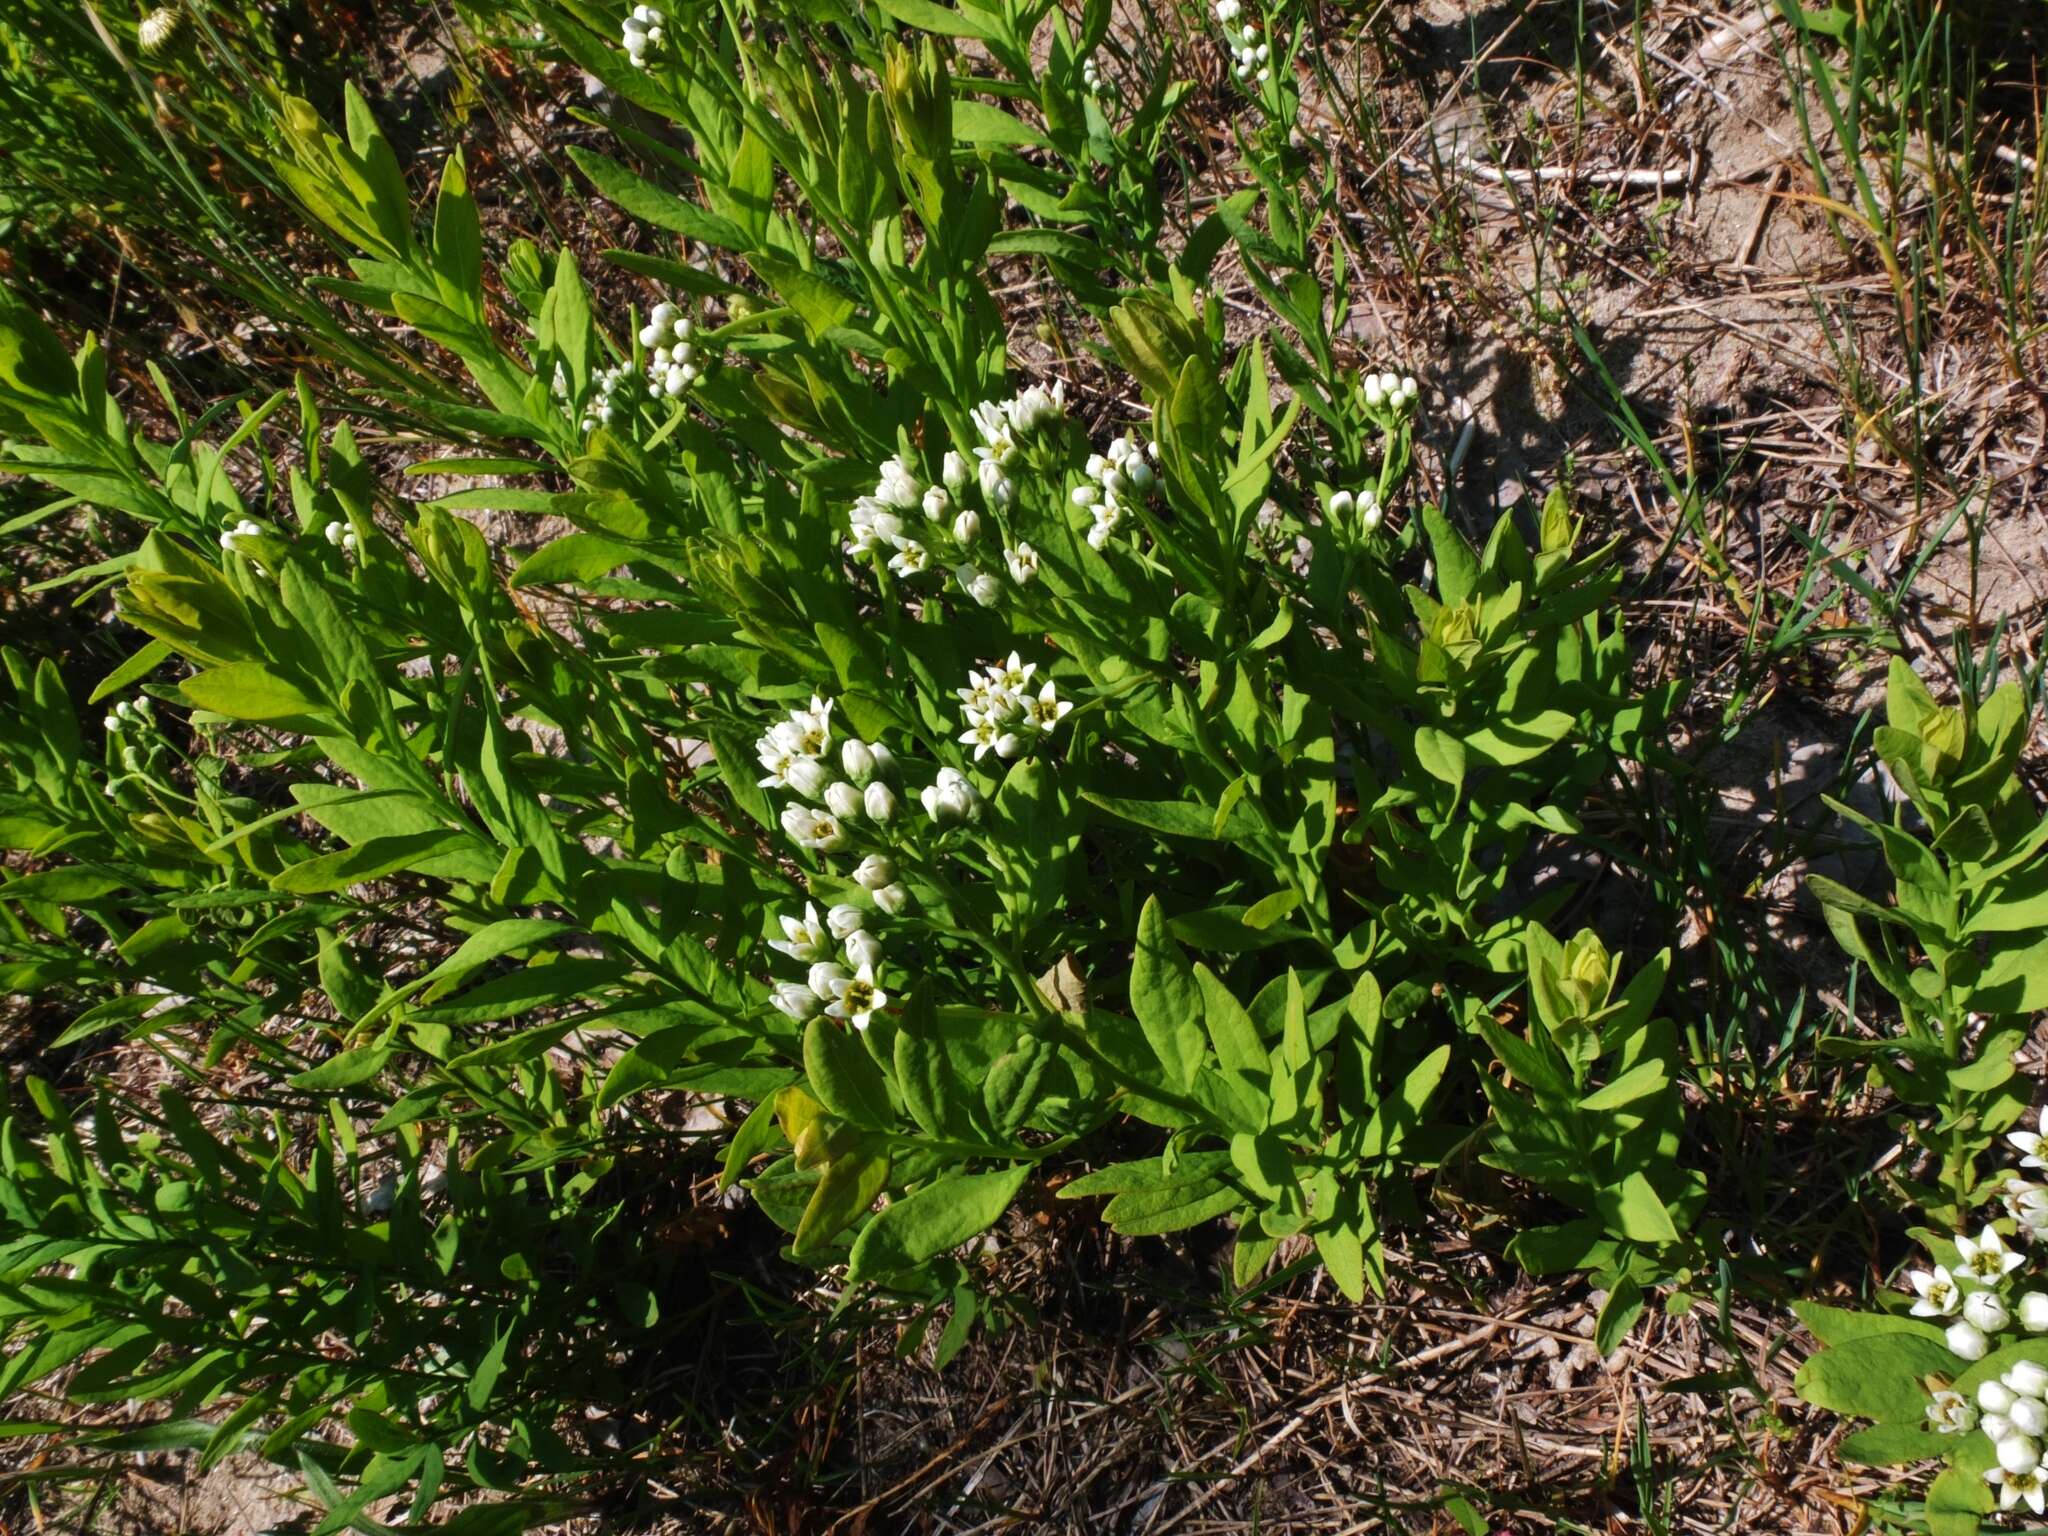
(1047, 709)
(1985, 1258)
(1023, 563)
(816, 830)
(1938, 1293)
(803, 938)
(2017, 1488)
(2028, 1145)
(1950, 1413)
(855, 998)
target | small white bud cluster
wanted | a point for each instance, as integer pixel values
(1003, 715)
(1365, 506)
(2013, 1414)
(795, 752)
(641, 32)
(851, 997)
(1386, 391)
(1001, 425)
(610, 394)
(341, 536)
(951, 800)
(245, 529)
(672, 362)
(1251, 55)
(1091, 77)
(1123, 473)
(135, 712)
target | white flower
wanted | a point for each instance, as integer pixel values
(966, 526)
(245, 529)
(823, 977)
(1085, 495)
(1037, 407)
(1341, 503)
(2027, 1379)
(795, 999)
(898, 487)
(1986, 1259)
(842, 800)
(863, 949)
(1950, 1413)
(1048, 709)
(2029, 1416)
(952, 799)
(1023, 564)
(1370, 512)
(803, 939)
(2028, 1145)
(892, 899)
(1995, 1397)
(1996, 1426)
(911, 558)
(874, 871)
(954, 472)
(857, 760)
(2018, 1453)
(874, 525)
(879, 800)
(1938, 1295)
(811, 829)
(1966, 1342)
(885, 760)
(1985, 1310)
(2033, 1312)
(845, 918)
(936, 503)
(1013, 676)
(112, 724)
(979, 585)
(987, 735)
(2015, 1488)
(855, 999)
(996, 488)
(2027, 1205)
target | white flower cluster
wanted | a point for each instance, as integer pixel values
(1003, 715)
(881, 519)
(2013, 1409)
(1091, 77)
(610, 390)
(1123, 472)
(341, 536)
(1366, 505)
(1002, 426)
(245, 529)
(849, 996)
(672, 365)
(1251, 54)
(1390, 391)
(126, 713)
(641, 31)
(794, 753)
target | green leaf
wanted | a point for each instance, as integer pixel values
(1838, 1325)
(572, 559)
(819, 304)
(250, 690)
(940, 1217)
(927, 17)
(1165, 998)
(1634, 1209)
(848, 1186)
(1442, 755)
(1875, 1377)
(1891, 1445)
(844, 1076)
(1618, 1314)
(345, 1070)
(648, 203)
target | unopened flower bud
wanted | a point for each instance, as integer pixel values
(874, 872)
(842, 799)
(879, 800)
(893, 898)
